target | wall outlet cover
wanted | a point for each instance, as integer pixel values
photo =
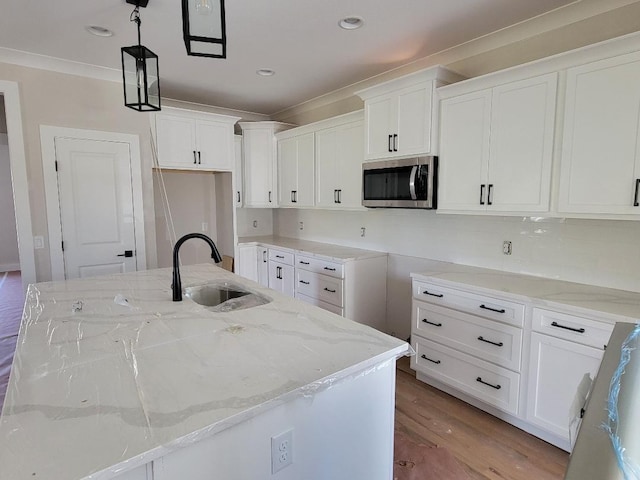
(281, 451)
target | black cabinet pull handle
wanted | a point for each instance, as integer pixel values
(303, 263)
(238, 196)
(329, 290)
(482, 194)
(264, 256)
(427, 292)
(431, 323)
(490, 195)
(279, 256)
(339, 196)
(335, 196)
(557, 325)
(194, 158)
(635, 197)
(199, 159)
(497, 344)
(497, 387)
(502, 310)
(127, 254)
(395, 142)
(304, 283)
(437, 362)
(330, 269)
(269, 196)
(389, 144)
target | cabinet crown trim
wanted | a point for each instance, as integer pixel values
(198, 115)
(327, 123)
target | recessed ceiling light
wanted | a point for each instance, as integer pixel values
(265, 72)
(99, 31)
(351, 23)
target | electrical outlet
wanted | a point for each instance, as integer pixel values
(255, 224)
(362, 231)
(281, 451)
(205, 227)
(301, 225)
(38, 242)
(506, 247)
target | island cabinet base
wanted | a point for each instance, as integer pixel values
(343, 432)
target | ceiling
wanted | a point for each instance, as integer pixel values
(299, 39)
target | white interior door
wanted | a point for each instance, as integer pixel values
(96, 207)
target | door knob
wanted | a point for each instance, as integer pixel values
(127, 253)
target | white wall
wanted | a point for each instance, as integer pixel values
(263, 218)
(9, 256)
(596, 252)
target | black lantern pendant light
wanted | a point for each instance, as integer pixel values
(140, 71)
(204, 29)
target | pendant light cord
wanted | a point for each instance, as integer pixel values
(135, 17)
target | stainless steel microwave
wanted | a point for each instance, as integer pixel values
(404, 183)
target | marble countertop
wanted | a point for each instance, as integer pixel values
(109, 373)
(317, 249)
(612, 305)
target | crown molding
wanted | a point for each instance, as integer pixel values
(44, 62)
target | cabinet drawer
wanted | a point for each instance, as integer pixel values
(484, 381)
(489, 307)
(571, 327)
(492, 341)
(317, 265)
(281, 256)
(320, 303)
(322, 287)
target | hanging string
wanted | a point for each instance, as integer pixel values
(630, 470)
(166, 207)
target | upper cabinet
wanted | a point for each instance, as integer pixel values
(600, 168)
(190, 140)
(400, 115)
(260, 163)
(339, 156)
(497, 146)
(295, 170)
(238, 172)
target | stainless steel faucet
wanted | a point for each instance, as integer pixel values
(176, 286)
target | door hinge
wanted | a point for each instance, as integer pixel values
(56, 162)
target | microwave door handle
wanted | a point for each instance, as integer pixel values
(412, 182)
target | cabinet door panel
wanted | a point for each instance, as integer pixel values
(600, 156)
(247, 264)
(214, 145)
(350, 156)
(287, 170)
(258, 173)
(464, 150)
(306, 171)
(327, 167)
(522, 128)
(413, 121)
(380, 115)
(175, 141)
(560, 377)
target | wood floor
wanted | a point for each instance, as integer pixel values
(486, 447)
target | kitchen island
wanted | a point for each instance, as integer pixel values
(112, 379)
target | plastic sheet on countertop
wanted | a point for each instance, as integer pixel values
(124, 375)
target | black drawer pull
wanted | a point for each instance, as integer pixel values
(329, 290)
(431, 323)
(497, 344)
(557, 325)
(303, 282)
(437, 362)
(330, 269)
(279, 256)
(635, 197)
(427, 292)
(497, 387)
(502, 310)
(303, 263)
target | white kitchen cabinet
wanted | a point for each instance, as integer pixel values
(238, 171)
(339, 156)
(260, 163)
(189, 140)
(600, 163)
(496, 147)
(296, 163)
(469, 341)
(281, 271)
(253, 263)
(400, 118)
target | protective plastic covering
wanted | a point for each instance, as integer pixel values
(109, 373)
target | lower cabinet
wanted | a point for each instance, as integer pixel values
(281, 271)
(253, 263)
(535, 364)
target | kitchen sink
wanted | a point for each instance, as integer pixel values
(224, 297)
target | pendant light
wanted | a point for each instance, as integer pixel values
(204, 28)
(140, 71)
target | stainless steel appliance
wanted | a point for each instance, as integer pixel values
(404, 183)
